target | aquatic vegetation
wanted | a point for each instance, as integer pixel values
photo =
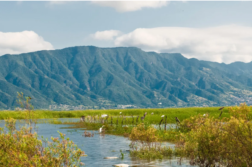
(53, 121)
(145, 143)
(171, 135)
(226, 141)
(152, 153)
(88, 134)
(122, 154)
(23, 148)
(145, 135)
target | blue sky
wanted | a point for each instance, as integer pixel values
(214, 31)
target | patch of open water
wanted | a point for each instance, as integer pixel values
(98, 147)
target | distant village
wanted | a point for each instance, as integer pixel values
(82, 107)
(236, 101)
(60, 107)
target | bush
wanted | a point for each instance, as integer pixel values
(23, 148)
(145, 143)
(146, 136)
(192, 122)
(220, 142)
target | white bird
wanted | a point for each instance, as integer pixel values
(120, 113)
(100, 130)
(104, 115)
(121, 165)
(152, 113)
(204, 115)
(162, 116)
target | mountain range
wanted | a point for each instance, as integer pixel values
(110, 77)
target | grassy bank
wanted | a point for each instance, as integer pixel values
(171, 113)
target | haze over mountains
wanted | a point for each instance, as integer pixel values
(107, 77)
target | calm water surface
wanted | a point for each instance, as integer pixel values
(98, 147)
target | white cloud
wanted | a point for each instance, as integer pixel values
(128, 6)
(106, 35)
(22, 42)
(52, 4)
(220, 44)
(57, 2)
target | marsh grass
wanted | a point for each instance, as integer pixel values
(122, 124)
(152, 153)
(171, 113)
(116, 123)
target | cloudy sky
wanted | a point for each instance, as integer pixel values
(213, 31)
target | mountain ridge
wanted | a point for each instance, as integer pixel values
(107, 77)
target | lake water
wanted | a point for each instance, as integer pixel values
(98, 147)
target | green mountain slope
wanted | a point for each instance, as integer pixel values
(107, 77)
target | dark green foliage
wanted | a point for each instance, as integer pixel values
(105, 77)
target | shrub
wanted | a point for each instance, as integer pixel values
(220, 142)
(145, 143)
(192, 122)
(171, 135)
(23, 148)
(146, 136)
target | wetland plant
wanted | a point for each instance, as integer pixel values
(122, 154)
(25, 104)
(145, 143)
(209, 141)
(23, 148)
(88, 134)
